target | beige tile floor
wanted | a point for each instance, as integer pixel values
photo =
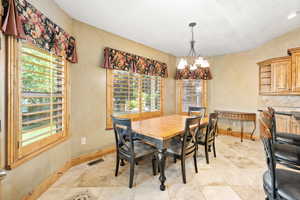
(236, 174)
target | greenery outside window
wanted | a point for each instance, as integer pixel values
(38, 114)
(134, 96)
(190, 93)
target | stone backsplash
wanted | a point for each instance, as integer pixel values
(280, 103)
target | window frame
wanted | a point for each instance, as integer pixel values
(133, 116)
(179, 95)
(17, 155)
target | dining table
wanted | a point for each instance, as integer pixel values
(159, 132)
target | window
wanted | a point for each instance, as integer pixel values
(38, 102)
(132, 95)
(190, 93)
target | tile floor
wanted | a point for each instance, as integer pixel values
(236, 174)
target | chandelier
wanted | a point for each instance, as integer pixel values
(192, 61)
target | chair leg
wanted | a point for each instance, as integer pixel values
(206, 154)
(174, 159)
(183, 170)
(117, 165)
(195, 162)
(214, 147)
(122, 162)
(154, 161)
(132, 164)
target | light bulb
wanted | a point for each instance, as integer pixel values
(193, 67)
(182, 64)
(199, 61)
(205, 64)
(292, 15)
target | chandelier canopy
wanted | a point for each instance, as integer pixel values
(192, 60)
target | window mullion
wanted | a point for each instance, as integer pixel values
(51, 94)
(140, 91)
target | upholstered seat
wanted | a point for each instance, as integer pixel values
(288, 183)
(287, 152)
(176, 147)
(288, 138)
(140, 149)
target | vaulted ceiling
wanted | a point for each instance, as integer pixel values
(223, 26)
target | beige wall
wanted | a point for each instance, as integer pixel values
(235, 83)
(23, 179)
(235, 86)
(88, 82)
(88, 98)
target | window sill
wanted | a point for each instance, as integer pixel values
(30, 156)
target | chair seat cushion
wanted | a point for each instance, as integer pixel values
(141, 149)
(175, 146)
(287, 152)
(287, 183)
(288, 138)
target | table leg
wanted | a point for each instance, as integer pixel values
(242, 130)
(162, 162)
(253, 130)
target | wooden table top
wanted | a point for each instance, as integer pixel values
(164, 127)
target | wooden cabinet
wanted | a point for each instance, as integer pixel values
(295, 126)
(283, 123)
(275, 76)
(287, 124)
(295, 53)
(280, 76)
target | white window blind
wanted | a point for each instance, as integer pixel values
(151, 93)
(192, 94)
(42, 89)
(135, 93)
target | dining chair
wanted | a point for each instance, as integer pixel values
(286, 153)
(130, 149)
(198, 110)
(186, 144)
(208, 139)
(287, 138)
(279, 184)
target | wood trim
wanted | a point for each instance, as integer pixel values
(15, 154)
(236, 134)
(46, 184)
(133, 116)
(92, 156)
(179, 92)
(109, 98)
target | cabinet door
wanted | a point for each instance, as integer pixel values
(296, 72)
(295, 126)
(265, 84)
(281, 76)
(283, 123)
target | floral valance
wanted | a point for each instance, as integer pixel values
(23, 20)
(199, 73)
(119, 60)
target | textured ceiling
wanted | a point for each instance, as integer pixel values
(224, 26)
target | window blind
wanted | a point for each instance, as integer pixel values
(151, 93)
(135, 93)
(42, 83)
(191, 96)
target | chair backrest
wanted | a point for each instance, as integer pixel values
(211, 128)
(123, 136)
(271, 112)
(189, 140)
(265, 124)
(200, 111)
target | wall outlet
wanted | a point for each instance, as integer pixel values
(83, 140)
